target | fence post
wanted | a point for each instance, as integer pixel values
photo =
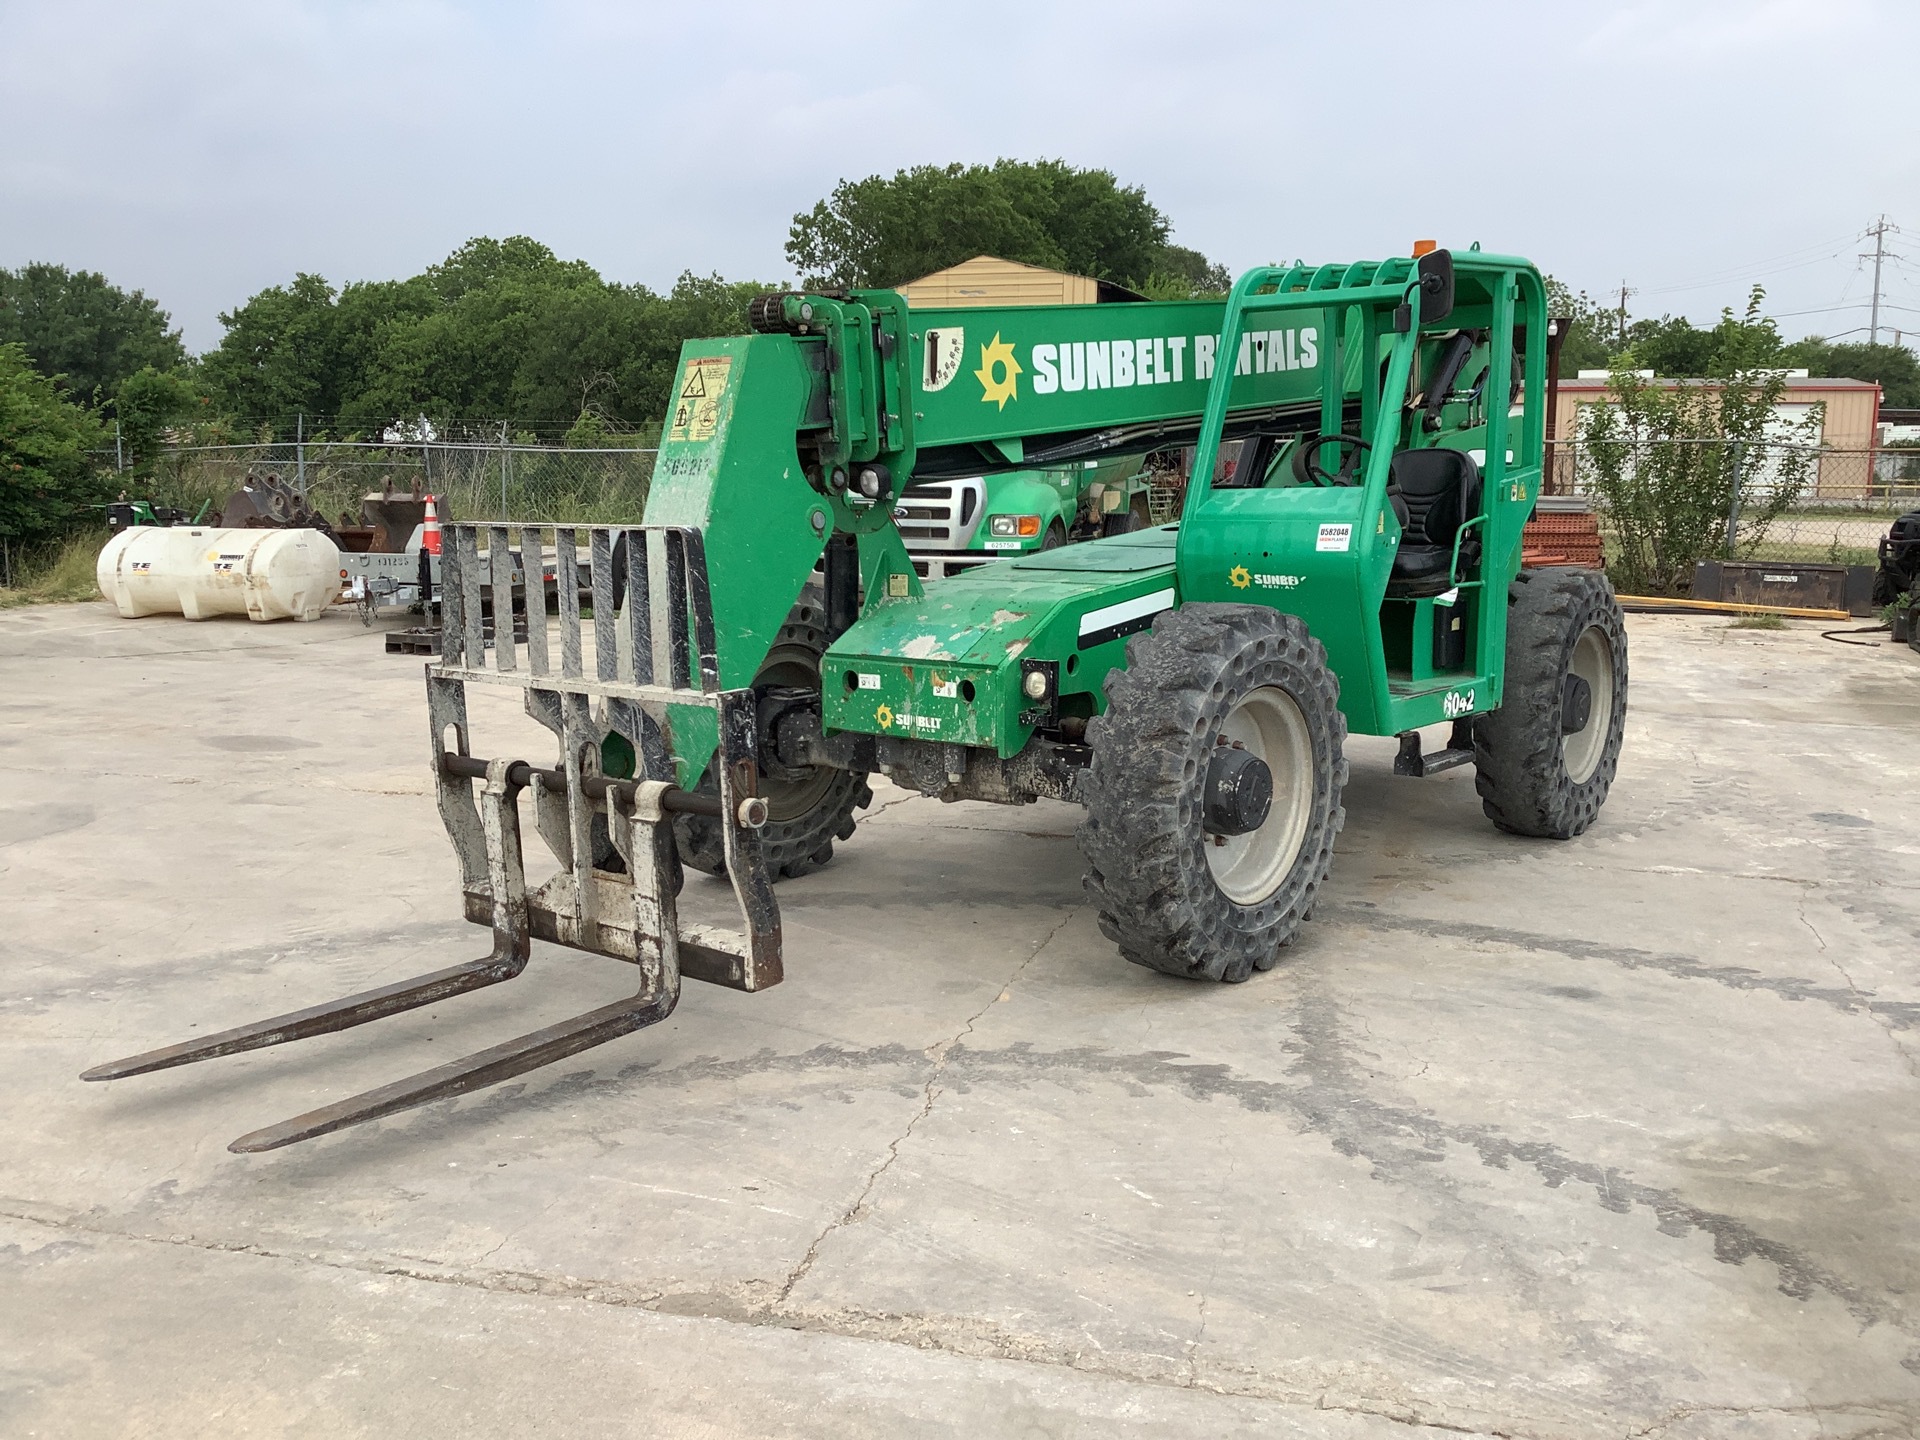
(1733, 505)
(506, 459)
(300, 452)
(119, 453)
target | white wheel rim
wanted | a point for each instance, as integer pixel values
(1249, 868)
(1592, 662)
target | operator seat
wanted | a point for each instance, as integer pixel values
(1434, 492)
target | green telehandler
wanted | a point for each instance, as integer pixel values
(1356, 569)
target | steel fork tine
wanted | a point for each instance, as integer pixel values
(649, 845)
(512, 943)
(507, 960)
(474, 1072)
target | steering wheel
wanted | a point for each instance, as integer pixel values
(1307, 465)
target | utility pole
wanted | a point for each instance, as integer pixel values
(1879, 233)
(1624, 293)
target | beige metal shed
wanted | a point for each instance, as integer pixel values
(988, 280)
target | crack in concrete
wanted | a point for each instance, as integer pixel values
(917, 1332)
(1895, 1014)
(1894, 1412)
(1323, 1091)
(1353, 1122)
(938, 1053)
(1906, 1059)
(1377, 1131)
(872, 812)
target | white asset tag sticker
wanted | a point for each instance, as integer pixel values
(1335, 537)
(869, 682)
(1003, 544)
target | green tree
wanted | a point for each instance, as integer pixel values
(279, 356)
(1185, 274)
(502, 330)
(49, 480)
(1670, 346)
(1673, 464)
(884, 231)
(92, 334)
(1893, 367)
(153, 404)
(1587, 345)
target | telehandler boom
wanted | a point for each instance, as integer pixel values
(1191, 685)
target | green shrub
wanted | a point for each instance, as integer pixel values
(50, 481)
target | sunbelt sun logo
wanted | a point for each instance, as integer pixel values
(999, 372)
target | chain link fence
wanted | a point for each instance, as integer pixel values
(1808, 504)
(1762, 501)
(469, 481)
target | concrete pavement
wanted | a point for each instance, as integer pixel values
(1607, 1137)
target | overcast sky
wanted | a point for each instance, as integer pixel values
(202, 150)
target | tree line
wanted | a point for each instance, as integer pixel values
(504, 337)
(1602, 338)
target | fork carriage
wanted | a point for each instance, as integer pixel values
(651, 663)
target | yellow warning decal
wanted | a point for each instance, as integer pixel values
(696, 410)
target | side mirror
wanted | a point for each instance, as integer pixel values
(1435, 269)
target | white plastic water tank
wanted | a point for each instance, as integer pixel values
(198, 573)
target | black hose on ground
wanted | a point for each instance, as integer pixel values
(1834, 635)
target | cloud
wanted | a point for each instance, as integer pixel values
(202, 150)
(1727, 32)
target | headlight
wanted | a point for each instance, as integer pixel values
(1027, 525)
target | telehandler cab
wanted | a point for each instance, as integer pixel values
(1192, 684)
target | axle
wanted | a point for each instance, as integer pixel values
(623, 793)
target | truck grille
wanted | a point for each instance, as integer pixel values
(940, 514)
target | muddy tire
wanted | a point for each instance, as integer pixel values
(805, 815)
(1165, 892)
(1546, 758)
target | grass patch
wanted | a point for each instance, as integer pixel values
(1758, 622)
(56, 575)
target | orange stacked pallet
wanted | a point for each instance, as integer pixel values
(1562, 538)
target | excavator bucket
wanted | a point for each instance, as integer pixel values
(642, 653)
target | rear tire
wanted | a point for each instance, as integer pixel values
(1125, 522)
(1536, 777)
(808, 814)
(1165, 893)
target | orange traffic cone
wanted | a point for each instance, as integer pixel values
(430, 529)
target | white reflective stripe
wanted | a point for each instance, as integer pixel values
(1110, 615)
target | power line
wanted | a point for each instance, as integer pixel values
(1748, 274)
(1736, 272)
